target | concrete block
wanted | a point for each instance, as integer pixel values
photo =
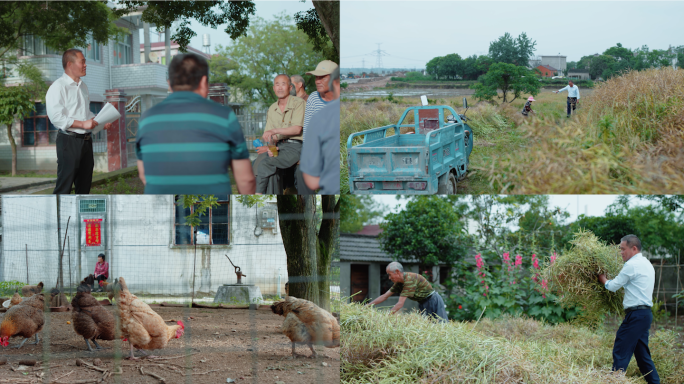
(238, 294)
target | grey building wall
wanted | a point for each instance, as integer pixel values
(555, 61)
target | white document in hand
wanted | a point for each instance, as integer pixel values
(107, 115)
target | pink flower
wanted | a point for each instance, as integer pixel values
(543, 283)
(544, 296)
(506, 257)
(518, 259)
(479, 262)
(536, 264)
(553, 257)
(460, 307)
(484, 293)
(513, 281)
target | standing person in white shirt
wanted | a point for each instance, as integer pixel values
(68, 107)
(573, 95)
(638, 278)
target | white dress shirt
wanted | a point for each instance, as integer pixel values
(67, 101)
(572, 91)
(638, 278)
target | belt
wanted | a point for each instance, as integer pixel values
(637, 307)
(291, 141)
(428, 296)
(84, 136)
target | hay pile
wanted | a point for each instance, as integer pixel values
(573, 277)
(377, 347)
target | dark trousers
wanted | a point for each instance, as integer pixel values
(572, 102)
(302, 189)
(74, 164)
(265, 167)
(98, 279)
(632, 339)
(433, 306)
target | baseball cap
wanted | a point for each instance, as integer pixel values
(323, 68)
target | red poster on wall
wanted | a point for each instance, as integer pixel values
(93, 232)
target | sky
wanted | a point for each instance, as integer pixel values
(412, 33)
(264, 9)
(591, 205)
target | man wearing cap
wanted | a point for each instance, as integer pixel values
(413, 286)
(284, 122)
(637, 277)
(573, 95)
(68, 106)
(528, 106)
(316, 101)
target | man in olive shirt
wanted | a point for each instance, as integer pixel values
(413, 286)
(284, 122)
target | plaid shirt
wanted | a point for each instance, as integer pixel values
(414, 287)
(102, 269)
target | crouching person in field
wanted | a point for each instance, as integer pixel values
(413, 286)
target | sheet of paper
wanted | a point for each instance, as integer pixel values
(107, 115)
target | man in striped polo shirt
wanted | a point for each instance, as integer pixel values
(321, 97)
(413, 286)
(186, 143)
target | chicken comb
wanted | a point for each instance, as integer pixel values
(181, 324)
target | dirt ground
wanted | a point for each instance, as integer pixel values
(239, 344)
(378, 82)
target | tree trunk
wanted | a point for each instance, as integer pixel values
(297, 219)
(13, 144)
(329, 14)
(327, 239)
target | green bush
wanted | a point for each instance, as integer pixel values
(7, 288)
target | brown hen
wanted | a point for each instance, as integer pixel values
(142, 326)
(90, 319)
(24, 319)
(30, 290)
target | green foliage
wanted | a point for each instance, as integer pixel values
(202, 203)
(15, 102)
(509, 79)
(7, 288)
(219, 66)
(311, 24)
(428, 229)
(268, 48)
(357, 211)
(252, 200)
(512, 51)
(60, 25)
(618, 59)
(344, 85)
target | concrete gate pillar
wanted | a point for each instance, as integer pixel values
(117, 155)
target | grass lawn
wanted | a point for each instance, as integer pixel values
(133, 185)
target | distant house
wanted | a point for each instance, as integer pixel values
(547, 71)
(158, 52)
(579, 74)
(557, 61)
(362, 268)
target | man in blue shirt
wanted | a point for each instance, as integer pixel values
(638, 278)
(573, 95)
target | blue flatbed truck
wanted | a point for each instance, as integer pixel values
(428, 161)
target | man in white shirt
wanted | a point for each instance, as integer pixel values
(573, 95)
(68, 107)
(638, 278)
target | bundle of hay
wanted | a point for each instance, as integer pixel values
(574, 278)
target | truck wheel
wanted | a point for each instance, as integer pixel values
(448, 188)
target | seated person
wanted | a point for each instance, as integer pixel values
(101, 271)
(284, 123)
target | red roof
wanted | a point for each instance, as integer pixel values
(370, 230)
(550, 68)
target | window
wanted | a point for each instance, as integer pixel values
(37, 130)
(214, 225)
(92, 50)
(34, 46)
(121, 51)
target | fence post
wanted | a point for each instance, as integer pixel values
(27, 274)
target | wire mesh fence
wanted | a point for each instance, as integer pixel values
(219, 278)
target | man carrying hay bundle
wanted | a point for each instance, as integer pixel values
(413, 286)
(638, 278)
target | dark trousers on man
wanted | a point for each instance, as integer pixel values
(572, 103)
(302, 188)
(74, 163)
(98, 279)
(265, 166)
(433, 306)
(632, 339)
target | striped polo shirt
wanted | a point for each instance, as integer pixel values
(186, 143)
(313, 104)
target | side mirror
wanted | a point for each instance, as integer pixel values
(465, 103)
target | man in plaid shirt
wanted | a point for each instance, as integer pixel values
(413, 286)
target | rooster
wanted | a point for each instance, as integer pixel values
(142, 326)
(30, 290)
(90, 319)
(307, 323)
(23, 319)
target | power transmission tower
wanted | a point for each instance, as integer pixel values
(378, 57)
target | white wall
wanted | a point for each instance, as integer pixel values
(139, 246)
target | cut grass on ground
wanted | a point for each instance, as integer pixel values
(377, 347)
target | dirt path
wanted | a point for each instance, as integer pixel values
(246, 346)
(368, 85)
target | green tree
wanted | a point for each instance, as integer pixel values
(433, 66)
(601, 66)
(512, 51)
(269, 48)
(357, 211)
(15, 103)
(428, 229)
(452, 66)
(321, 24)
(508, 78)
